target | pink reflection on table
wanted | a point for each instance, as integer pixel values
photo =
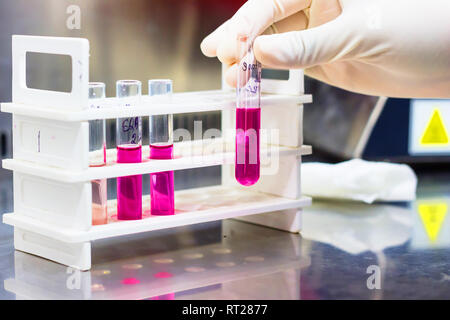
(130, 281)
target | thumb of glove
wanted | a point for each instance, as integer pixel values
(303, 49)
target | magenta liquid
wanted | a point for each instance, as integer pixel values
(161, 184)
(248, 123)
(129, 189)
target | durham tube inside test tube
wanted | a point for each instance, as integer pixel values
(129, 150)
(248, 114)
(97, 155)
(161, 147)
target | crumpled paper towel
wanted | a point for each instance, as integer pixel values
(359, 180)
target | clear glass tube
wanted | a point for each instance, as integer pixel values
(129, 150)
(248, 114)
(161, 147)
(97, 155)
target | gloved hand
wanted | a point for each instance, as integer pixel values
(397, 48)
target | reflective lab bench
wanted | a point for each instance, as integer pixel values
(346, 251)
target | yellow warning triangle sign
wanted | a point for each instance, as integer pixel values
(435, 132)
(433, 216)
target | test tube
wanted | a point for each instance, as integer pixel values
(161, 147)
(248, 114)
(129, 150)
(97, 155)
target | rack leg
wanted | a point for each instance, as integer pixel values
(286, 220)
(76, 255)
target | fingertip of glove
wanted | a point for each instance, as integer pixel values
(231, 76)
(206, 48)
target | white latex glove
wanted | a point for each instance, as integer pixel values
(397, 48)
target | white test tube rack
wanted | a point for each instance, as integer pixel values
(52, 215)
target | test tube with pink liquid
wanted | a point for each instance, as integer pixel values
(97, 154)
(161, 147)
(248, 114)
(129, 150)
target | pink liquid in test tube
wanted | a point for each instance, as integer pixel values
(248, 121)
(162, 200)
(129, 189)
(162, 183)
(99, 197)
(248, 115)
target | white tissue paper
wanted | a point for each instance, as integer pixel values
(359, 180)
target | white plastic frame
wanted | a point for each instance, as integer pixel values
(182, 102)
(293, 86)
(76, 48)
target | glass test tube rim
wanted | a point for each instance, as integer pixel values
(96, 84)
(126, 81)
(137, 97)
(161, 79)
(167, 94)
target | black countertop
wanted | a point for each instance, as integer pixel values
(346, 251)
